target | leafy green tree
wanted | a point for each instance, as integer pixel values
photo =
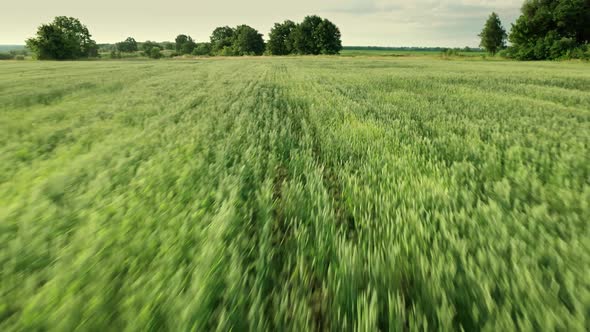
(185, 44)
(493, 35)
(550, 29)
(247, 41)
(168, 45)
(152, 49)
(281, 38)
(202, 49)
(305, 36)
(220, 38)
(327, 36)
(155, 52)
(128, 45)
(63, 39)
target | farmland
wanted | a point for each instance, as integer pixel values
(302, 193)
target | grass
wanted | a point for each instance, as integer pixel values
(294, 194)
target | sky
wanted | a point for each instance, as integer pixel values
(450, 23)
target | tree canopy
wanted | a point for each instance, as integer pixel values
(220, 38)
(314, 35)
(152, 49)
(66, 38)
(128, 45)
(493, 35)
(549, 29)
(247, 41)
(328, 38)
(281, 38)
(306, 38)
(184, 44)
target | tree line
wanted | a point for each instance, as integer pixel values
(546, 29)
(66, 38)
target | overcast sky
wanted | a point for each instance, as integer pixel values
(362, 22)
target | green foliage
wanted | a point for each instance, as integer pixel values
(247, 41)
(227, 51)
(63, 39)
(450, 52)
(281, 38)
(550, 29)
(6, 56)
(221, 38)
(242, 40)
(294, 194)
(129, 45)
(306, 36)
(152, 49)
(115, 54)
(184, 44)
(313, 36)
(328, 38)
(155, 52)
(493, 36)
(202, 49)
(316, 36)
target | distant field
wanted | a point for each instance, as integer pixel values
(307, 193)
(403, 53)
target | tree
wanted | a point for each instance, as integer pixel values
(281, 38)
(63, 39)
(155, 53)
(152, 49)
(169, 45)
(493, 35)
(247, 41)
(305, 37)
(221, 37)
(128, 45)
(550, 29)
(184, 44)
(202, 49)
(327, 35)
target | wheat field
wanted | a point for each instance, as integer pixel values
(294, 194)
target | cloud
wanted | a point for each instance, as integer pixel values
(420, 22)
(362, 22)
(361, 7)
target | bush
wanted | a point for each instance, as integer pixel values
(202, 49)
(450, 52)
(505, 53)
(227, 51)
(66, 38)
(115, 54)
(19, 57)
(581, 53)
(155, 53)
(6, 56)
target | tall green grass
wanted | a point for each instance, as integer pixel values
(294, 194)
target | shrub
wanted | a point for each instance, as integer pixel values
(202, 49)
(6, 56)
(155, 53)
(505, 53)
(19, 57)
(227, 51)
(115, 54)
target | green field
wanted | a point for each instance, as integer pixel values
(308, 193)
